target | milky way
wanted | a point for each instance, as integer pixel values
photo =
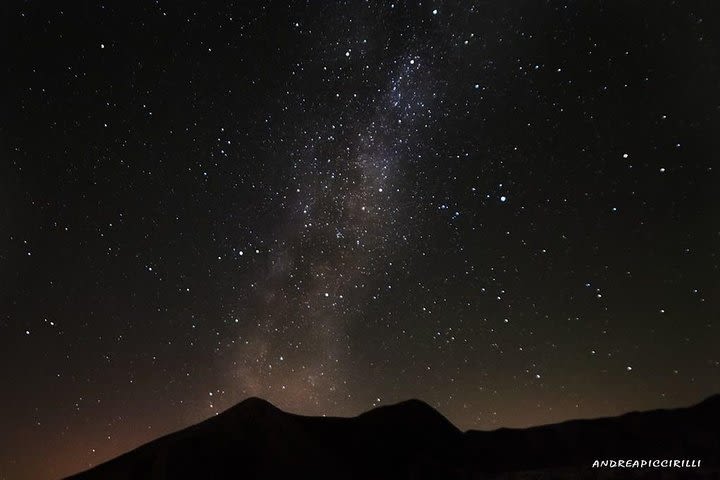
(338, 233)
(508, 211)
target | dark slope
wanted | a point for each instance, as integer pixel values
(255, 440)
(683, 433)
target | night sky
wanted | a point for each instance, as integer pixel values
(510, 210)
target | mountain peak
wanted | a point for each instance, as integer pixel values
(251, 407)
(413, 411)
(255, 403)
(411, 405)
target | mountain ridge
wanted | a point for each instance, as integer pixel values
(411, 439)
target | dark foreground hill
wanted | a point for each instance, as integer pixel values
(411, 440)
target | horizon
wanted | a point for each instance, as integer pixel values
(257, 400)
(413, 399)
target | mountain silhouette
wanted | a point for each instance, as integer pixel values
(411, 440)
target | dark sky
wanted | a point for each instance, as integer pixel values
(507, 209)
